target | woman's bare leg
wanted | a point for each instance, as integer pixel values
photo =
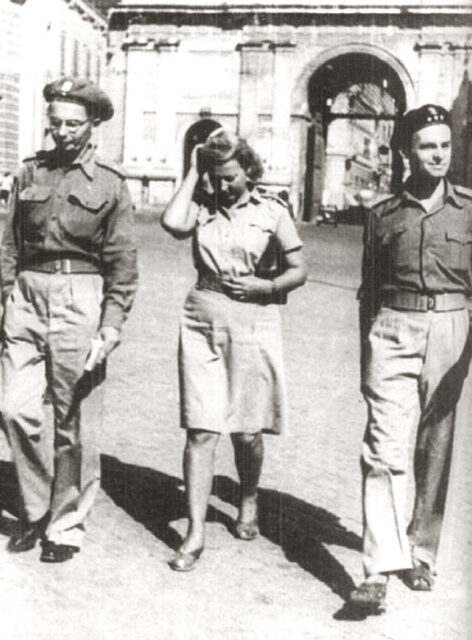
(199, 457)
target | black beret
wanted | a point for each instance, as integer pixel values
(415, 120)
(83, 92)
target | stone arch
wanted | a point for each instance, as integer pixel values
(309, 103)
(299, 94)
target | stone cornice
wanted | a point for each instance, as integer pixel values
(168, 44)
(281, 7)
(237, 15)
(88, 12)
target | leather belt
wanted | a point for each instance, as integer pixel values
(412, 301)
(63, 265)
(214, 282)
(210, 281)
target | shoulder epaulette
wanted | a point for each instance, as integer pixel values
(272, 196)
(40, 156)
(111, 166)
(386, 205)
(463, 191)
(384, 201)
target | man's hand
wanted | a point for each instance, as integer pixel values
(110, 340)
(247, 287)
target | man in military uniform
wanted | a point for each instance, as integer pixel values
(415, 354)
(68, 278)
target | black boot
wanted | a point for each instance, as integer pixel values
(27, 535)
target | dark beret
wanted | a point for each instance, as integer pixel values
(83, 92)
(415, 120)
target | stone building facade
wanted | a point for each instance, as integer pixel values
(9, 84)
(41, 40)
(272, 71)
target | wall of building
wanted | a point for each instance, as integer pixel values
(57, 37)
(9, 84)
(250, 71)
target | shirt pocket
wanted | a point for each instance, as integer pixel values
(82, 218)
(399, 244)
(257, 236)
(459, 244)
(34, 208)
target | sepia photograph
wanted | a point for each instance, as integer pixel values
(236, 320)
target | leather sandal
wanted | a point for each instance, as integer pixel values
(419, 578)
(369, 596)
(246, 530)
(185, 560)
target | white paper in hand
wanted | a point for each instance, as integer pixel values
(91, 362)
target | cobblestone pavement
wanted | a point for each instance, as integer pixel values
(291, 582)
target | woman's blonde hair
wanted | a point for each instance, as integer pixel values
(222, 146)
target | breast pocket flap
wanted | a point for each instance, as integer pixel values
(90, 202)
(35, 194)
(459, 236)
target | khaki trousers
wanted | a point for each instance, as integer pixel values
(49, 322)
(416, 366)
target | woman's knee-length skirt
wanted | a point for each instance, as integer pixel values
(230, 365)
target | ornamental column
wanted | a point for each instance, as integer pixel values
(283, 75)
(251, 62)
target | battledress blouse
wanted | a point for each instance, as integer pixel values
(230, 354)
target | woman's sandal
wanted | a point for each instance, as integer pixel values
(369, 597)
(185, 560)
(246, 530)
(419, 578)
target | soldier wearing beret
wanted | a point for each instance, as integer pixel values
(416, 281)
(68, 278)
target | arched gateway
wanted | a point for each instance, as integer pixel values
(290, 77)
(351, 96)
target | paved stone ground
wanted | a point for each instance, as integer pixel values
(292, 581)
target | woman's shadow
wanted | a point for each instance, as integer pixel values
(156, 499)
(302, 530)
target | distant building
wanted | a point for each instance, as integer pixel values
(358, 159)
(271, 70)
(40, 41)
(9, 84)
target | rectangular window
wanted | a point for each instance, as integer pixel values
(88, 63)
(75, 59)
(63, 53)
(149, 127)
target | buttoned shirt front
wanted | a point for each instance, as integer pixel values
(410, 249)
(234, 242)
(80, 211)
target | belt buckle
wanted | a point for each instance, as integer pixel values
(57, 266)
(66, 266)
(431, 303)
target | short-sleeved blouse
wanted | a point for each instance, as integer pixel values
(231, 243)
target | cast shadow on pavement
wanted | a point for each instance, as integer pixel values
(9, 497)
(155, 499)
(301, 530)
(151, 497)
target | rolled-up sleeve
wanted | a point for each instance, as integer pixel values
(119, 261)
(287, 234)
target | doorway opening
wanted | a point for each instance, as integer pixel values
(354, 100)
(197, 133)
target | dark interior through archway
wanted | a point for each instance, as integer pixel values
(354, 100)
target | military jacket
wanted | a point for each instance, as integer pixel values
(408, 248)
(81, 211)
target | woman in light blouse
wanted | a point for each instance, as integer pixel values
(247, 254)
